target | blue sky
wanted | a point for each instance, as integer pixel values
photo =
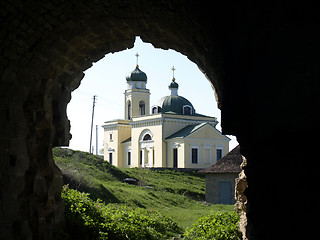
(107, 80)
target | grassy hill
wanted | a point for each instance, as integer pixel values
(179, 195)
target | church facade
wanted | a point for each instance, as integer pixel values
(173, 135)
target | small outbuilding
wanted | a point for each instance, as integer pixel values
(220, 178)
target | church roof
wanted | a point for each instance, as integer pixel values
(137, 75)
(230, 163)
(175, 104)
(127, 140)
(186, 131)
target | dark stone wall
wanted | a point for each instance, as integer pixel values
(262, 60)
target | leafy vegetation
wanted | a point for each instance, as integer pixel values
(177, 195)
(89, 219)
(218, 225)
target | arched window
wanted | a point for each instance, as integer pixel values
(187, 110)
(147, 137)
(156, 109)
(142, 108)
(129, 109)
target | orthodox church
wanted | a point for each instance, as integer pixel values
(173, 135)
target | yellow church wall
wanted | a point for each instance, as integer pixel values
(162, 162)
(170, 126)
(174, 123)
(124, 132)
(206, 139)
(179, 145)
(201, 145)
(134, 148)
(126, 147)
(207, 132)
(157, 144)
(135, 107)
(120, 131)
(110, 145)
(135, 96)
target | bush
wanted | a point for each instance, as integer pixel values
(88, 219)
(219, 226)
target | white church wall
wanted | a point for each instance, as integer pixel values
(154, 151)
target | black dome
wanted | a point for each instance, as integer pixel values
(137, 75)
(175, 104)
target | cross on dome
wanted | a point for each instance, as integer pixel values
(173, 69)
(173, 85)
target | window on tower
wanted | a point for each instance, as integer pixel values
(142, 108)
(129, 110)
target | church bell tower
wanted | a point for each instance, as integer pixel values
(137, 96)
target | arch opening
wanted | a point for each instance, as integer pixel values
(156, 63)
(142, 108)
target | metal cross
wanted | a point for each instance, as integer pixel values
(173, 69)
(137, 55)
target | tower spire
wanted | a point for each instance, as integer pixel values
(137, 55)
(173, 85)
(173, 69)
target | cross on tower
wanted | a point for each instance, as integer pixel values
(173, 69)
(137, 55)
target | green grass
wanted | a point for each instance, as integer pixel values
(179, 195)
(88, 219)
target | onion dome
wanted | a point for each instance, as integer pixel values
(137, 75)
(173, 84)
(176, 105)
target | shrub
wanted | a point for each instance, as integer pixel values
(219, 226)
(88, 219)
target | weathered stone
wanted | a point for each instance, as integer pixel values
(241, 186)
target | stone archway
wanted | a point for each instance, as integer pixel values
(245, 50)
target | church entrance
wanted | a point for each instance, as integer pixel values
(146, 149)
(175, 158)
